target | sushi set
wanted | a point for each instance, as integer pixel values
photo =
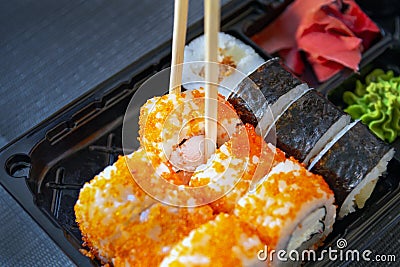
(343, 148)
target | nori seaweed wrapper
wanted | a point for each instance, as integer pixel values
(273, 80)
(301, 126)
(349, 160)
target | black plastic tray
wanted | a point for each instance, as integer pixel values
(45, 168)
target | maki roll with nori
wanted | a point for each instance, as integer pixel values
(352, 166)
(307, 125)
(278, 86)
(274, 80)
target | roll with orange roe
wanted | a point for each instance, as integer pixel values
(225, 241)
(172, 135)
(291, 210)
(107, 205)
(171, 128)
(158, 230)
(238, 163)
(120, 223)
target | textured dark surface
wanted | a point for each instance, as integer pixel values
(304, 123)
(23, 242)
(53, 52)
(350, 159)
(383, 252)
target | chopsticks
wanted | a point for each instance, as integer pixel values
(211, 29)
(178, 45)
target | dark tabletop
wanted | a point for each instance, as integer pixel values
(52, 52)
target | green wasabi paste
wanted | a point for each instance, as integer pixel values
(377, 103)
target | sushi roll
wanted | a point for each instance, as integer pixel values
(107, 200)
(307, 125)
(120, 223)
(224, 241)
(167, 122)
(352, 164)
(158, 230)
(238, 163)
(123, 224)
(236, 60)
(279, 88)
(171, 134)
(292, 209)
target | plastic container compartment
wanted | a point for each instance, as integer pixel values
(45, 169)
(273, 8)
(389, 59)
(373, 227)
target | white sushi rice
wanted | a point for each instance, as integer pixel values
(306, 229)
(243, 56)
